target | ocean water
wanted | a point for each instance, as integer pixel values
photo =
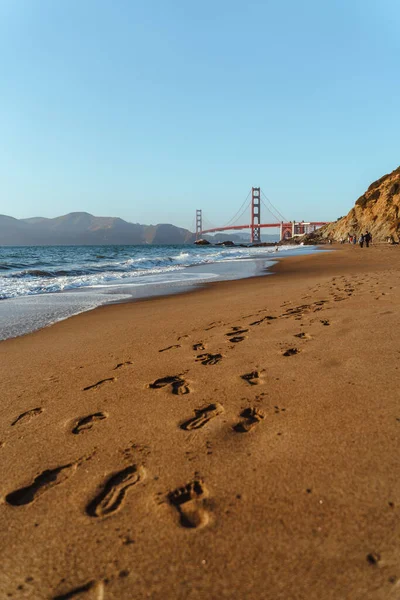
(40, 285)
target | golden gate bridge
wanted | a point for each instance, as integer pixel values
(287, 229)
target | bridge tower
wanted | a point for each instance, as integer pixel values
(199, 223)
(255, 215)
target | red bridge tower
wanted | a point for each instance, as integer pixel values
(199, 223)
(255, 216)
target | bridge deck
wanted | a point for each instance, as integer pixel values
(272, 225)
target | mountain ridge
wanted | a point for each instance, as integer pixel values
(82, 228)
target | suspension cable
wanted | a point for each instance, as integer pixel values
(207, 224)
(246, 208)
(235, 217)
(273, 210)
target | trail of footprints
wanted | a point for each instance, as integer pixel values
(189, 501)
(114, 490)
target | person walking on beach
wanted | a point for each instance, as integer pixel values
(361, 240)
(354, 240)
(367, 238)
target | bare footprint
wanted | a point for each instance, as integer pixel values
(123, 364)
(209, 359)
(303, 336)
(43, 482)
(251, 417)
(178, 385)
(86, 423)
(198, 346)
(99, 383)
(95, 587)
(213, 325)
(297, 310)
(203, 416)
(188, 500)
(112, 496)
(236, 331)
(291, 352)
(170, 347)
(267, 318)
(252, 378)
(27, 416)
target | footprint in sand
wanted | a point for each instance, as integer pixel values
(96, 589)
(203, 416)
(170, 348)
(113, 493)
(252, 378)
(189, 501)
(291, 352)
(209, 359)
(303, 336)
(198, 346)
(27, 416)
(237, 338)
(86, 423)
(251, 417)
(178, 385)
(297, 311)
(43, 482)
(236, 331)
(119, 366)
(213, 325)
(267, 318)
(236, 335)
(325, 322)
(94, 386)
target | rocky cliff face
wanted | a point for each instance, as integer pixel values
(378, 211)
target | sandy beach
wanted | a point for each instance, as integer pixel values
(240, 441)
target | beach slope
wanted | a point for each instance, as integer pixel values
(240, 441)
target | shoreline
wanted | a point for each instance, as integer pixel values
(297, 460)
(25, 314)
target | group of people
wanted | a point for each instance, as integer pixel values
(365, 238)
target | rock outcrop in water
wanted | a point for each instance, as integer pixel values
(378, 211)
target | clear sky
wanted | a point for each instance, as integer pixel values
(149, 110)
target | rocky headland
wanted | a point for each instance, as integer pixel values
(377, 210)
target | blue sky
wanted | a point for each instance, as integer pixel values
(149, 110)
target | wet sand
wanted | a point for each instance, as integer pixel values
(240, 441)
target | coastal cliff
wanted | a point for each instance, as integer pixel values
(377, 210)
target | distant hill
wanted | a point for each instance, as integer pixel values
(80, 228)
(377, 210)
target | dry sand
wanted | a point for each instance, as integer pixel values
(241, 441)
